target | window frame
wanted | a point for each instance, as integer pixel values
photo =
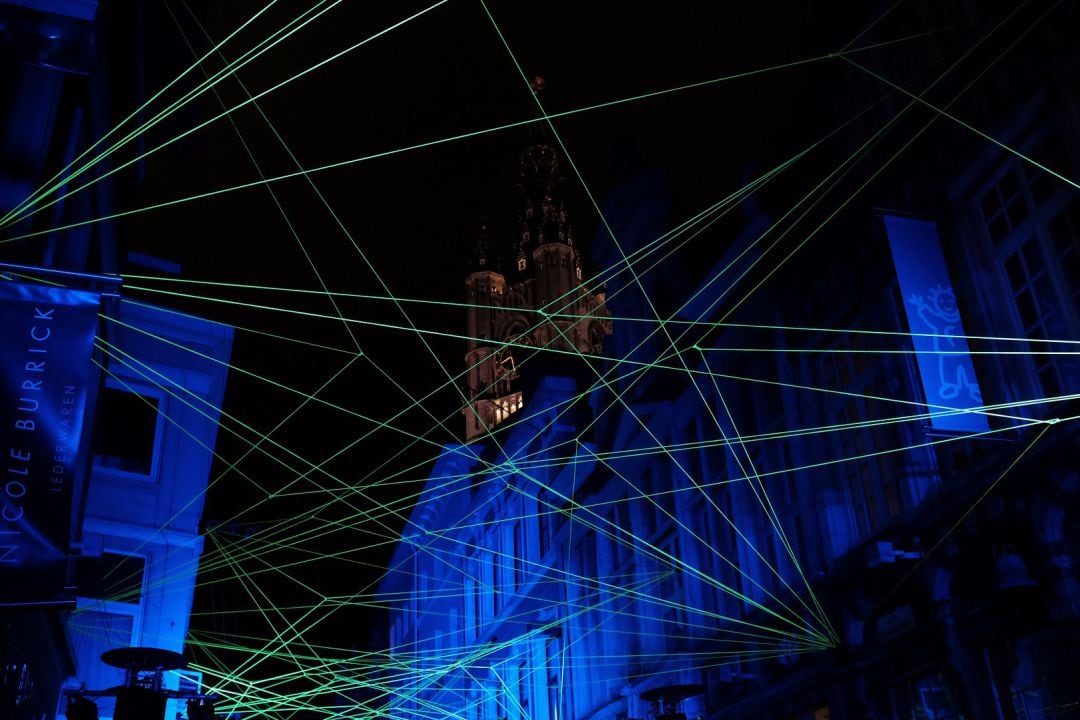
(134, 387)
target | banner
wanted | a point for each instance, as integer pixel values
(46, 337)
(937, 334)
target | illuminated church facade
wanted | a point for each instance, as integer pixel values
(851, 493)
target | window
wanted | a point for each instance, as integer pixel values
(670, 630)
(504, 407)
(791, 489)
(494, 582)
(801, 551)
(519, 554)
(553, 700)
(645, 505)
(732, 576)
(1063, 229)
(659, 503)
(873, 490)
(1032, 221)
(112, 576)
(670, 587)
(1042, 309)
(873, 487)
(476, 590)
(586, 561)
(126, 428)
(523, 690)
(502, 708)
(1004, 207)
(622, 539)
(670, 593)
(770, 552)
(552, 658)
(544, 510)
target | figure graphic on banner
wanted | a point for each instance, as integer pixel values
(939, 312)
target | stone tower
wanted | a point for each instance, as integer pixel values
(527, 295)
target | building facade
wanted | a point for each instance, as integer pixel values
(847, 491)
(155, 423)
(138, 428)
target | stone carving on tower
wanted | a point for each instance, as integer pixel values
(527, 295)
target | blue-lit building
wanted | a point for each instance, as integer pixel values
(154, 426)
(145, 414)
(135, 446)
(853, 494)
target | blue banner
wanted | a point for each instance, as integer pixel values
(46, 337)
(937, 334)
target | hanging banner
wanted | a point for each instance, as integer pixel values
(46, 337)
(937, 334)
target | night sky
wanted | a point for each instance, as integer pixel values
(415, 215)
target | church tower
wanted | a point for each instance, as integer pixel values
(527, 294)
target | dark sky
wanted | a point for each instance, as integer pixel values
(414, 215)
(447, 73)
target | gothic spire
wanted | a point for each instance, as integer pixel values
(482, 258)
(541, 214)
